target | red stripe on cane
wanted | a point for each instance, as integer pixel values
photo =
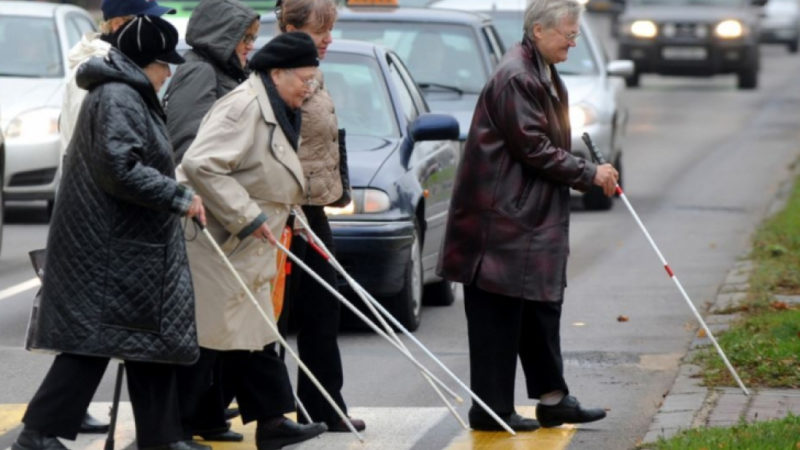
(619, 190)
(319, 250)
(288, 268)
(669, 271)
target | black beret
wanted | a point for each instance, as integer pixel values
(146, 39)
(286, 51)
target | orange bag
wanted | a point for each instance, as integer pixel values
(284, 268)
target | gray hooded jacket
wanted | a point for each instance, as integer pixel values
(212, 68)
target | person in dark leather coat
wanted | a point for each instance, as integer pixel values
(117, 281)
(508, 226)
(222, 34)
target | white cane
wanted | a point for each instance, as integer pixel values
(274, 328)
(320, 248)
(372, 301)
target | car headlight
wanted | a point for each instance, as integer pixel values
(365, 201)
(580, 116)
(729, 29)
(35, 125)
(645, 29)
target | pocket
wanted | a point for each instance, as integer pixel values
(135, 285)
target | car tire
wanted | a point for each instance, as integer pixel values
(407, 304)
(440, 293)
(748, 78)
(632, 81)
(793, 45)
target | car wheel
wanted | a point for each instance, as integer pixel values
(748, 77)
(407, 305)
(793, 45)
(632, 80)
(440, 293)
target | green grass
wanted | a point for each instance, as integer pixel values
(781, 434)
(764, 345)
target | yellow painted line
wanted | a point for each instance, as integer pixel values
(19, 288)
(541, 439)
(11, 416)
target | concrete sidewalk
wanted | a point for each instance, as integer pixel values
(690, 405)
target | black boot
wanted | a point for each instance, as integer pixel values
(568, 410)
(277, 432)
(33, 440)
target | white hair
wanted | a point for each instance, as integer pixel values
(548, 13)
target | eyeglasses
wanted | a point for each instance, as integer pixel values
(249, 39)
(310, 83)
(571, 37)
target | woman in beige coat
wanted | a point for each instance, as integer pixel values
(244, 164)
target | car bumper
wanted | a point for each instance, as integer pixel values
(689, 59)
(374, 253)
(32, 170)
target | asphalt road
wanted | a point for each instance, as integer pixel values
(702, 161)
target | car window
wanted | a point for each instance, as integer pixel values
(359, 92)
(420, 105)
(508, 25)
(29, 47)
(406, 102)
(434, 53)
(74, 31)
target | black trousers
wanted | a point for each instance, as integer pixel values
(259, 379)
(316, 313)
(500, 329)
(58, 406)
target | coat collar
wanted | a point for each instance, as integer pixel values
(553, 83)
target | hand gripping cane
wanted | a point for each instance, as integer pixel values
(381, 333)
(323, 252)
(599, 158)
(373, 303)
(274, 328)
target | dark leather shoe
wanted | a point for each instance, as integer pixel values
(230, 413)
(568, 410)
(341, 427)
(223, 436)
(480, 421)
(91, 425)
(180, 445)
(276, 433)
(33, 440)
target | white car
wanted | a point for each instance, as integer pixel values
(781, 23)
(594, 84)
(35, 39)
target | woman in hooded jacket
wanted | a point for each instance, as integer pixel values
(221, 34)
(116, 281)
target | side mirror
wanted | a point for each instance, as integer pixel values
(434, 127)
(620, 68)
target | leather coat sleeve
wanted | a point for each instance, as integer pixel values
(121, 158)
(522, 119)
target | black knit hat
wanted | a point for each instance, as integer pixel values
(286, 51)
(146, 39)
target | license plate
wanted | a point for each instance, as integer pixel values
(686, 53)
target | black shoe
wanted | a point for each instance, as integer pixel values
(91, 425)
(230, 413)
(480, 421)
(568, 410)
(276, 433)
(341, 427)
(180, 445)
(33, 440)
(223, 436)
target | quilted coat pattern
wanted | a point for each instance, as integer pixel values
(117, 280)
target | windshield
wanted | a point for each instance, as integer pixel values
(435, 54)
(690, 2)
(29, 48)
(358, 89)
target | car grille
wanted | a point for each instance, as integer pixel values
(33, 178)
(684, 30)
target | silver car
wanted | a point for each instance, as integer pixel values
(780, 23)
(594, 84)
(35, 39)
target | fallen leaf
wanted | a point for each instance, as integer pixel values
(701, 333)
(622, 318)
(780, 306)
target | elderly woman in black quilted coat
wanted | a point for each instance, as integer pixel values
(117, 281)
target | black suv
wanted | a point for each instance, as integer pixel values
(692, 37)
